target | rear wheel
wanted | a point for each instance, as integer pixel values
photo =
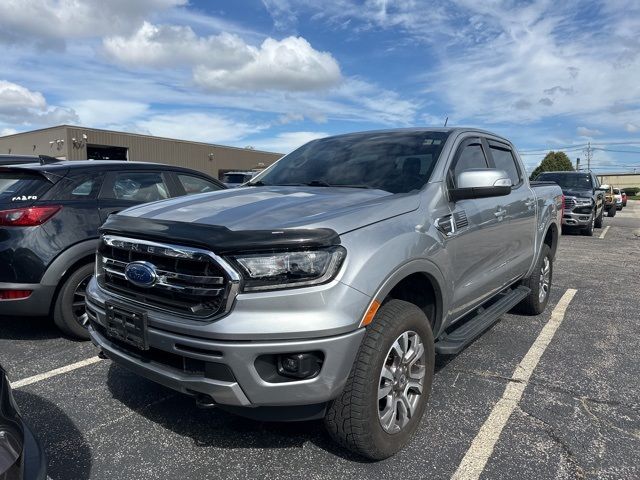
(540, 284)
(387, 390)
(69, 312)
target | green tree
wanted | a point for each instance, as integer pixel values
(553, 162)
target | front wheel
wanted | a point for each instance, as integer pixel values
(69, 312)
(540, 284)
(598, 223)
(588, 230)
(611, 212)
(387, 390)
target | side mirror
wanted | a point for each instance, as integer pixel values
(481, 183)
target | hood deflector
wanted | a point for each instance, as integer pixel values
(219, 239)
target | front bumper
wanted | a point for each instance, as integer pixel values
(36, 304)
(571, 219)
(226, 370)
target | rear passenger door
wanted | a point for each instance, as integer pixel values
(124, 189)
(520, 211)
(480, 237)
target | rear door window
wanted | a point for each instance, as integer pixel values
(22, 186)
(138, 187)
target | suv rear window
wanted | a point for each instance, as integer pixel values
(21, 186)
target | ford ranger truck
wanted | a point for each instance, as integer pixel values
(325, 287)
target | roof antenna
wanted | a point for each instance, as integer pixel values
(445, 121)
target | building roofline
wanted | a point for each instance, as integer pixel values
(65, 125)
(625, 174)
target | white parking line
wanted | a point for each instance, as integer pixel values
(604, 232)
(52, 373)
(481, 448)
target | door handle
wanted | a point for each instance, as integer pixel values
(500, 213)
(530, 202)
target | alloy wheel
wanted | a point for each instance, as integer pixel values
(545, 279)
(401, 382)
(79, 305)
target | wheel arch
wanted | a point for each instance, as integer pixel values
(551, 239)
(421, 283)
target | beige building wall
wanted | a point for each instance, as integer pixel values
(621, 181)
(208, 158)
(48, 141)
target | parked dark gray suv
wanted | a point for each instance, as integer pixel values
(49, 219)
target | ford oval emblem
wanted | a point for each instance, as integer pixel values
(142, 274)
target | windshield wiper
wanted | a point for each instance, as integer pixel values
(259, 183)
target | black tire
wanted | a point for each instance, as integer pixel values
(588, 230)
(611, 212)
(598, 223)
(353, 418)
(67, 308)
(533, 304)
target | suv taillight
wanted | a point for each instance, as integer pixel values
(28, 216)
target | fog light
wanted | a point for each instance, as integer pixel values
(300, 365)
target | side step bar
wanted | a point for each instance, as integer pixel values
(454, 341)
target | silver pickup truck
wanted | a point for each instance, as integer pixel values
(325, 286)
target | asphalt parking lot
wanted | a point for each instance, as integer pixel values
(578, 415)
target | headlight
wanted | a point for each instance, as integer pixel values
(272, 271)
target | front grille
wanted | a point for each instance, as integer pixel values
(188, 281)
(569, 203)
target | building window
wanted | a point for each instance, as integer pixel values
(106, 152)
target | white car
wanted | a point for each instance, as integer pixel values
(617, 194)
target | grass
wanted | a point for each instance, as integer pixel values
(634, 197)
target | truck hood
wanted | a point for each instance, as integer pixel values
(280, 207)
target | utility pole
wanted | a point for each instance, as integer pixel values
(578, 164)
(589, 153)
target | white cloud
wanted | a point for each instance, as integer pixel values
(282, 13)
(287, 142)
(588, 132)
(290, 64)
(99, 113)
(167, 46)
(200, 127)
(51, 22)
(7, 131)
(16, 97)
(225, 62)
(631, 127)
(21, 106)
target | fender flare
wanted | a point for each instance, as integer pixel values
(63, 262)
(434, 274)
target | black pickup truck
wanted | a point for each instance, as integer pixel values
(583, 199)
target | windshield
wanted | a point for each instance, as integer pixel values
(568, 180)
(19, 184)
(236, 177)
(396, 162)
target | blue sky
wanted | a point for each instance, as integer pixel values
(274, 74)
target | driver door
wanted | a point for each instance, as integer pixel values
(480, 239)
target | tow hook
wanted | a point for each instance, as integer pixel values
(204, 401)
